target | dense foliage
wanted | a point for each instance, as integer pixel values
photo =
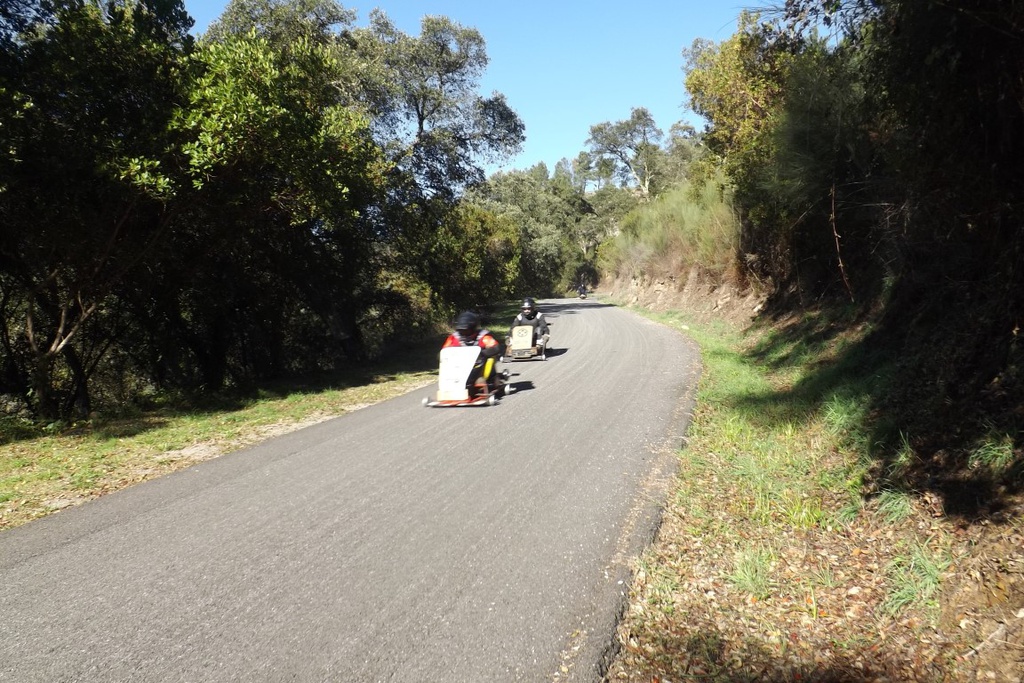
(863, 155)
(282, 195)
(875, 151)
(278, 197)
(289, 192)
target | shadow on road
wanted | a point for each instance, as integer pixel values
(518, 387)
(569, 306)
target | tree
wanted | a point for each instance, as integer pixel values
(681, 150)
(739, 87)
(84, 181)
(540, 218)
(287, 173)
(435, 123)
(282, 22)
(477, 255)
(16, 17)
(205, 216)
(633, 146)
(583, 170)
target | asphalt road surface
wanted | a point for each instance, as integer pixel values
(395, 543)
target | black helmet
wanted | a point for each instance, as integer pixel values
(467, 325)
(529, 308)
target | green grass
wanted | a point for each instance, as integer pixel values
(801, 510)
(902, 460)
(752, 572)
(844, 415)
(895, 506)
(914, 579)
(995, 454)
(774, 498)
(847, 513)
(824, 577)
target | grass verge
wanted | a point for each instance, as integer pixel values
(776, 561)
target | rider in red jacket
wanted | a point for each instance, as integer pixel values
(468, 333)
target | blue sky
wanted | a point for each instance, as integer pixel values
(565, 65)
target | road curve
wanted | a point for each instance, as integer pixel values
(396, 543)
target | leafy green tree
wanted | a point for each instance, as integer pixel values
(229, 214)
(611, 205)
(681, 150)
(479, 253)
(84, 179)
(541, 218)
(583, 171)
(940, 99)
(582, 229)
(362, 81)
(825, 168)
(282, 22)
(633, 146)
(16, 17)
(739, 87)
(289, 173)
(436, 124)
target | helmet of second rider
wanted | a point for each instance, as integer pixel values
(467, 326)
(529, 308)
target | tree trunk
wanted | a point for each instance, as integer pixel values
(344, 329)
(42, 388)
(81, 404)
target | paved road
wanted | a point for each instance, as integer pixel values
(396, 543)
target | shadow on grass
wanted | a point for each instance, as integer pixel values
(915, 405)
(421, 356)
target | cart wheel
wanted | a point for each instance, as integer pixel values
(492, 399)
(426, 402)
(509, 389)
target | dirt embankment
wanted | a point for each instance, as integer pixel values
(693, 293)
